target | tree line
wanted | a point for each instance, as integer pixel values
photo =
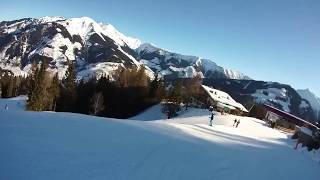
(10, 85)
(125, 93)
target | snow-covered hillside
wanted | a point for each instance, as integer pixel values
(274, 95)
(96, 48)
(311, 98)
(167, 63)
(48, 145)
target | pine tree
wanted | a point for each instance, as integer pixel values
(54, 91)
(70, 77)
(68, 95)
(39, 98)
(32, 93)
(10, 89)
(154, 86)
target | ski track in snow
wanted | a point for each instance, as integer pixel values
(49, 145)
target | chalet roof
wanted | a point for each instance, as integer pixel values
(292, 118)
(223, 97)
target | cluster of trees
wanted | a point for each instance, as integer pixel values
(43, 90)
(128, 93)
(10, 85)
(124, 94)
(181, 93)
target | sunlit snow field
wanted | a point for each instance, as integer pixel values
(49, 145)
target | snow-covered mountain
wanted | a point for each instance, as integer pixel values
(95, 47)
(99, 49)
(314, 101)
(168, 64)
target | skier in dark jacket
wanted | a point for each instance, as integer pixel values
(211, 119)
(238, 122)
(234, 122)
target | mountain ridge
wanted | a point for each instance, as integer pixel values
(98, 49)
(79, 31)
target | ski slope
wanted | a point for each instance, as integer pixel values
(48, 145)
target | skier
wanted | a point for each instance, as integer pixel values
(6, 107)
(211, 118)
(238, 122)
(234, 122)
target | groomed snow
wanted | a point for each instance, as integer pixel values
(50, 145)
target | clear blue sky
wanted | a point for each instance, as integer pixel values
(274, 40)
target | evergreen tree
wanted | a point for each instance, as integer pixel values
(54, 91)
(39, 98)
(32, 94)
(70, 77)
(10, 89)
(68, 93)
(154, 86)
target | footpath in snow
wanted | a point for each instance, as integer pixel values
(50, 145)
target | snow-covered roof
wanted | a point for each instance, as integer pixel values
(223, 97)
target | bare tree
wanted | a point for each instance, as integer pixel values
(97, 104)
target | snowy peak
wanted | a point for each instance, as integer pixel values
(147, 47)
(120, 38)
(96, 46)
(47, 19)
(84, 26)
(98, 49)
(172, 65)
